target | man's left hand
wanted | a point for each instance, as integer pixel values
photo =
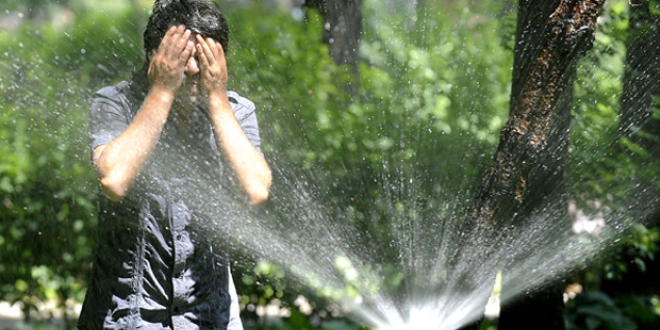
(213, 73)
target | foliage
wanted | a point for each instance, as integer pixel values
(597, 97)
(47, 226)
(606, 166)
(595, 310)
(598, 310)
(631, 306)
(638, 248)
(605, 161)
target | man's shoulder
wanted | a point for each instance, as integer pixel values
(113, 92)
(238, 102)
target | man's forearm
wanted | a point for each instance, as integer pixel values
(119, 162)
(248, 164)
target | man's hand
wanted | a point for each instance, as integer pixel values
(167, 65)
(213, 65)
(250, 167)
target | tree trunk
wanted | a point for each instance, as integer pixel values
(545, 308)
(529, 163)
(641, 86)
(535, 127)
(343, 26)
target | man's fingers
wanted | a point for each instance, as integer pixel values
(179, 43)
(205, 50)
(203, 60)
(187, 51)
(175, 43)
(169, 33)
(185, 44)
(216, 48)
(168, 63)
(169, 36)
(185, 54)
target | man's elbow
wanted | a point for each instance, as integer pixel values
(113, 189)
(258, 196)
(260, 190)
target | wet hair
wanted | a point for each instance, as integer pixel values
(203, 17)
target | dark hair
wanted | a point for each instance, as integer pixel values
(203, 17)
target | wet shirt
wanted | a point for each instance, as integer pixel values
(156, 267)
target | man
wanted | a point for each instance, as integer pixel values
(173, 132)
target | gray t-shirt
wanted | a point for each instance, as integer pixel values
(156, 266)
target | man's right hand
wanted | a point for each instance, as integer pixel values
(119, 162)
(166, 69)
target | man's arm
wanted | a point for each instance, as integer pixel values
(248, 164)
(119, 162)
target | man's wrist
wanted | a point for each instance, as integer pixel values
(217, 93)
(218, 97)
(164, 93)
(219, 104)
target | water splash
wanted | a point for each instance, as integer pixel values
(440, 275)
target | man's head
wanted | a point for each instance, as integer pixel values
(200, 16)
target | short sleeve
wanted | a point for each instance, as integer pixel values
(108, 117)
(245, 113)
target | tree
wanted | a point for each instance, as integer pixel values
(641, 89)
(543, 308)
(521, 176)
(343, 26)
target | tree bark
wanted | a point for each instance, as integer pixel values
(545, 308)
(528, 166)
